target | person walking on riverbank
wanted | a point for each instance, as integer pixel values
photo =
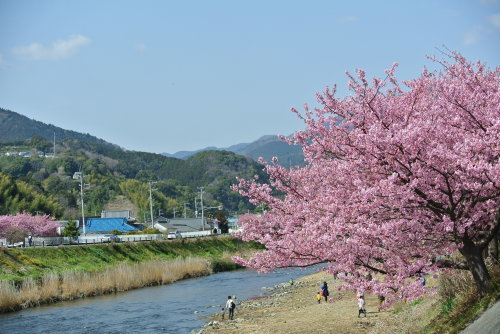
(324, 291)
(361, 306)
(230, 306)
(381, 300)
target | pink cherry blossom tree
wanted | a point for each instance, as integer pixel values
(399, 177)
(39, 225)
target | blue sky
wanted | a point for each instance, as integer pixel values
(164, 76)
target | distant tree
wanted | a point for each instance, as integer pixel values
(399, 178)
(15, 166)
(71, 229)
(70, 165)
(223, 223)
(149, 230)
(39, 143)
(14, 234)
(39, 225)
(17, 196)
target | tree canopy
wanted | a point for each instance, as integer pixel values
(399, 177)
(39, 225)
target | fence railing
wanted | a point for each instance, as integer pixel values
(100, 239)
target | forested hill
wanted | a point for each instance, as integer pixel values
(201, 169)
(114, 173)
(111, 171)
(15, 127)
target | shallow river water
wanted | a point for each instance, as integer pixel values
(174, 308)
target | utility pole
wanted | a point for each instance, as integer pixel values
(81, 195)
(79, 176)
(185, 212)
(151, 202)
(175, 211)
(202, 213)
(55, 147)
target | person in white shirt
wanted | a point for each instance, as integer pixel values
(230, 306)
(361, 306)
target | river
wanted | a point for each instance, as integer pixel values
(176, 308)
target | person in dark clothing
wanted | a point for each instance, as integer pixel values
(324, 291)
(381, 300)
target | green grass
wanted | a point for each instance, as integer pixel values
(19, 263)
(462, 309)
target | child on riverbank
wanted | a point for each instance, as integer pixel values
(318, 297)
(222, 313)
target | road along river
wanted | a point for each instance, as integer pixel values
(174, 308)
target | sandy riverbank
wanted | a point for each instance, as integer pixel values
(294, 309)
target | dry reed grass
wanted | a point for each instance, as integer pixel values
(455, 283)
(71, 285)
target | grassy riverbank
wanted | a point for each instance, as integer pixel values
(33, 276)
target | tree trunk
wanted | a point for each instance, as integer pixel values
(475, 260)
(493, 248)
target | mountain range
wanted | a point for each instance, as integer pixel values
(16, 127)
(266, 147)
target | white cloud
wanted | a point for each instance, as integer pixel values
(495, 20)
(140, 47)
(347, 19)
(474, 35)
(59, 49)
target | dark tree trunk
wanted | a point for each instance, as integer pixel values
(493, 248)
(475, 260)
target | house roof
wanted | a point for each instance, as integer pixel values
(108, 224)
(184, 224)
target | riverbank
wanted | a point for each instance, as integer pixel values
(292, 308)
(34, 276)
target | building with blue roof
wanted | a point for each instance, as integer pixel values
(101, 225)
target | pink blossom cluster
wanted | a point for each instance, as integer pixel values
(37, 225)
(399, 176)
